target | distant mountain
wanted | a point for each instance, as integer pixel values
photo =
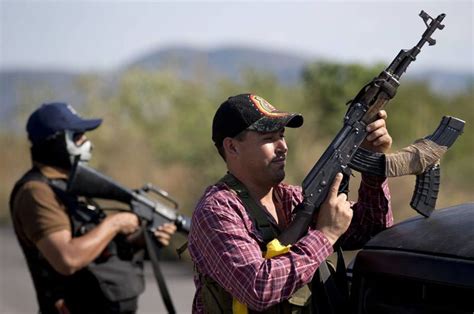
(17, 87)
(445, 81)
(226, 62)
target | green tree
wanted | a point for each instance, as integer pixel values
(329, 86)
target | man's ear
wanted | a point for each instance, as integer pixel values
(230, 147)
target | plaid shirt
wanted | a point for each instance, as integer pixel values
(225, 244)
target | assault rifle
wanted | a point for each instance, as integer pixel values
(363, 110)
(90, 183)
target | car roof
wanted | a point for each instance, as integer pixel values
(448, 232)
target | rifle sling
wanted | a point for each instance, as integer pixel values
(254, 210)
(334, 286)
(160, 280)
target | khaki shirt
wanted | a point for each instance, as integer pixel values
(37, 212)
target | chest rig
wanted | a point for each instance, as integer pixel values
(216, 299)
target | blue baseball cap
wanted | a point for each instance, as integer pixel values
(52, 118)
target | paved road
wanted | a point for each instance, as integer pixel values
(17, 295)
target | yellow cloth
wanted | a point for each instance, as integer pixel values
(274, 248)
(239, 308)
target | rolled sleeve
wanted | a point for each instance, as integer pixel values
(39, 212)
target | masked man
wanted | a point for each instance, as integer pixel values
(80, 260)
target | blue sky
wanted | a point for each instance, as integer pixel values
(103, 35)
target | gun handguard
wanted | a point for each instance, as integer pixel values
(427, 183)
(362, 111)
(88, 182)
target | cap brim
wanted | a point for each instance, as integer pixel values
(272, 124)
(295, 120)
(84, 125)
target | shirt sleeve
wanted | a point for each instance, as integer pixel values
(39, 212)
(223, 248)
(372, 212)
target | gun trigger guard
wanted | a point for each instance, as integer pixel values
(306, 203)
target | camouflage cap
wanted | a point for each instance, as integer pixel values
(250, 112)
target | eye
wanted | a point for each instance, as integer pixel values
(268, 138)
(282, 133)
(77, 136)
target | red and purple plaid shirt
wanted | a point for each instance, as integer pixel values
(225, 244)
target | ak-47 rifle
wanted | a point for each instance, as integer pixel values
(341, 154)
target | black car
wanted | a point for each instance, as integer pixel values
(421, 265)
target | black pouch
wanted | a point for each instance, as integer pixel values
(118, 279)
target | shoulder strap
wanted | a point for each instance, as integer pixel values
(255, 212)
(59, 186)
(330, 286)
(253, 209)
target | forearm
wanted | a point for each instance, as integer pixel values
(281, 276)
(84, 249)
(68, 254)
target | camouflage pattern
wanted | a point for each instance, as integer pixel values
(272, 119)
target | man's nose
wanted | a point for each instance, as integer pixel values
(281, 145)
(81, 140)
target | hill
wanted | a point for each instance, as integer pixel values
(226, 62)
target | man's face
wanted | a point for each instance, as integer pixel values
(263, 156)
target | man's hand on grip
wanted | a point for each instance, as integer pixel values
(378, 139)
(335, 214)
(125, 222)
(163, 233)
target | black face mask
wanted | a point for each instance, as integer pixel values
(52, 152)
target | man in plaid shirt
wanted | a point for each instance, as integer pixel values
(225, 242)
